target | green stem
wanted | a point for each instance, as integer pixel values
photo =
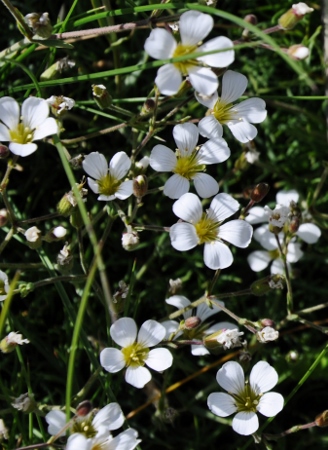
(19, 18)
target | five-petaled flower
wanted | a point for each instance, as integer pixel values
(246, 398)
(107, 180)
(188, 162)
(206, 228)
(194, 26)
(239, 117)
(22, 129)
(135, 351)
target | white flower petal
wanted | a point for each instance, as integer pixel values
(124, 190)
(194, 26)
(171, 326)
(221, 404)
(183, 236)
(222, 207)
(151, 333)
(252, 110)
(95, 165)
(231, 377)
(277, 267)
(256, 215)
(213, 151)
(159, 359)
(234, 85)
(188, 208)
(127, 440)
(259, 260)
(180, 302)
(271, 404)
(294, 252)
(285, 197)
(204, 311)
(9, 112)
(119, 165)
(236, 232)
(56, 421)
(203, 80)
(207, 100)
(47, 128)
(176, 186)
(263, 377)
(160, 44)
(217, 255)
(245, 423)
(209, 127)
(309, 233)
(34, 112)
(4, 133)
(168, 79)
(162, 159)
(112, 359)
(186, 137)
(137, 376)
(199, 350)
(221, 59)
(93, 185)
(111, 416)
(206, 186)
(22, 149)
(124, 331)
(243, 131)
(78, 441)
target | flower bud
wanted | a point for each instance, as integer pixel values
(25, 403)
(33, 237)
(55, 234)
(322, 419)
(11, 341)
(59, 104)
(298, 52)
(3, 217)
(101, 96)
(55, 70)
(291, 18)
(140, 186)
(264, 285)
(292, 356)
(192, 322)
(251, 18)
(40, 24)
(84, 408)
(259, 192)
(68, 202)
(4, 151)
(148, 107)
(267, 323)
(267, 334)
(130, 240)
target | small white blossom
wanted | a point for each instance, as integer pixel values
(59, 232)
(4, 286)
(14, 338)
(238, 117)
(60, 104)
(230, 338)
(22, 128)
(246, 399)
(279, 216)
(194, 26)
(267, 334)
(126, 440)
(188, 162)
(3, 431)
(206, 228)
(108, 180)
(33, 234)
(135, 351)
(300, 9)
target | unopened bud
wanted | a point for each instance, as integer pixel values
(267, 323)
(101, 96)
(60, 105)
(3, 217)
(83, 408)
(291, 18)
(251, 18)
(40, 24)
(140, 186)
(130, 240)
(192, 322)
(298, 52)
(68, 202)
(55, 234)
(25, 403)
(33, 237)
(148, 107)
(265, 285)
(10, 342)
(4, 151)
(322, 419)
(294, 225)
(259, 192)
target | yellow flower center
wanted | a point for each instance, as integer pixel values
(84, 426)
(207, 230)
(187, 166)
(135, 354)
(21, 134)
(182, 50)
(223, 112)
(274, 254)
(108, 185)
(247, 400)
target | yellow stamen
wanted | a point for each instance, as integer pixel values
(207, 230)
(187, 166)
(21, 134)
(135, 355)
(183, 50)
(108, 185)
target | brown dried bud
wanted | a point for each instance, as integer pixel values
(83, 408)
(140, 186)
(4, 151)
(322, 419)
(267, 323)
(3, 217)
(148, 106)
(251, 18)
(259, 192)
(192, 322)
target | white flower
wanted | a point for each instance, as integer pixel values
(59, 232)
(230, 338)
(300, 9)
(135, 351)
(127, 440)
(246, 399)
(96, 425)
(21, 129)
(14, 338)
(60, 104)
(267, 334)
(201, 330)
(4, 286)
(107, 181)
(260, 259)
(205, 228)
(279, 216)
(239, 117)
(194, 27)
(188, 162)
(33, 234)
